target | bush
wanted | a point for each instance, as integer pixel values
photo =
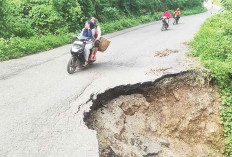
(21, 27)
(3, 18)
(227, 4)
(45, 20)
(215, 51)
(110, 14)
(194, 10)
(71, 13)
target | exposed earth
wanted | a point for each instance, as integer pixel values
(175, 117)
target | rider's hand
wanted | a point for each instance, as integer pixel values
(87, 25)
(74, 36)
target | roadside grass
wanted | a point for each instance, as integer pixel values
(217, 2)
(214, 48)
(193, 11)
(16, 47)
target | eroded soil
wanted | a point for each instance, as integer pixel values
(176, 117)
(165, 52)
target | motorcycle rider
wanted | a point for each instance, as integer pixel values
(167, 14)
(97, 35)
(177, 14)
(87, 33)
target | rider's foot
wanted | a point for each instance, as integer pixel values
(93, 59)
(86, 63)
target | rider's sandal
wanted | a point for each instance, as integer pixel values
(85, 65)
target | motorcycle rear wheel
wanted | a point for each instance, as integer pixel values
(72, 65)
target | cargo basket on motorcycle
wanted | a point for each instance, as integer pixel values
(104, 43)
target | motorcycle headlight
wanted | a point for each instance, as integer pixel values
(76, 48)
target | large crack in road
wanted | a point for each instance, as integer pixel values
(176, 115)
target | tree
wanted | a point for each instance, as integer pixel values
(45, 20)
(87, 6)
(3, 17)
(71, 12)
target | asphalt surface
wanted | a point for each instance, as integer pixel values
(41, 105)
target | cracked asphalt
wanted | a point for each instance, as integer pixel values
(42, 106)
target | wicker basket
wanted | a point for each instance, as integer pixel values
(104, 43)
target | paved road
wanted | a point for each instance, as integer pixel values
(41, 105)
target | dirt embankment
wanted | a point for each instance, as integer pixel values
(174, 117)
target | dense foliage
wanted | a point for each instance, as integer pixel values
(104, 8)
(35, 19)
(227, 4)
(3, 17)
(215, 51)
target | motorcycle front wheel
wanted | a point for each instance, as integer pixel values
(72, 65)
(175, 22)
(163, 28)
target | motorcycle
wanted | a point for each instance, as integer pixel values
(77, 59)
(176, 19)
(165, 24)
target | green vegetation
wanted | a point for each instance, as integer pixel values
(26, 25)
(217, 2)
(127, 22)
(17, 47)
(227, 4)
(215, 51)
